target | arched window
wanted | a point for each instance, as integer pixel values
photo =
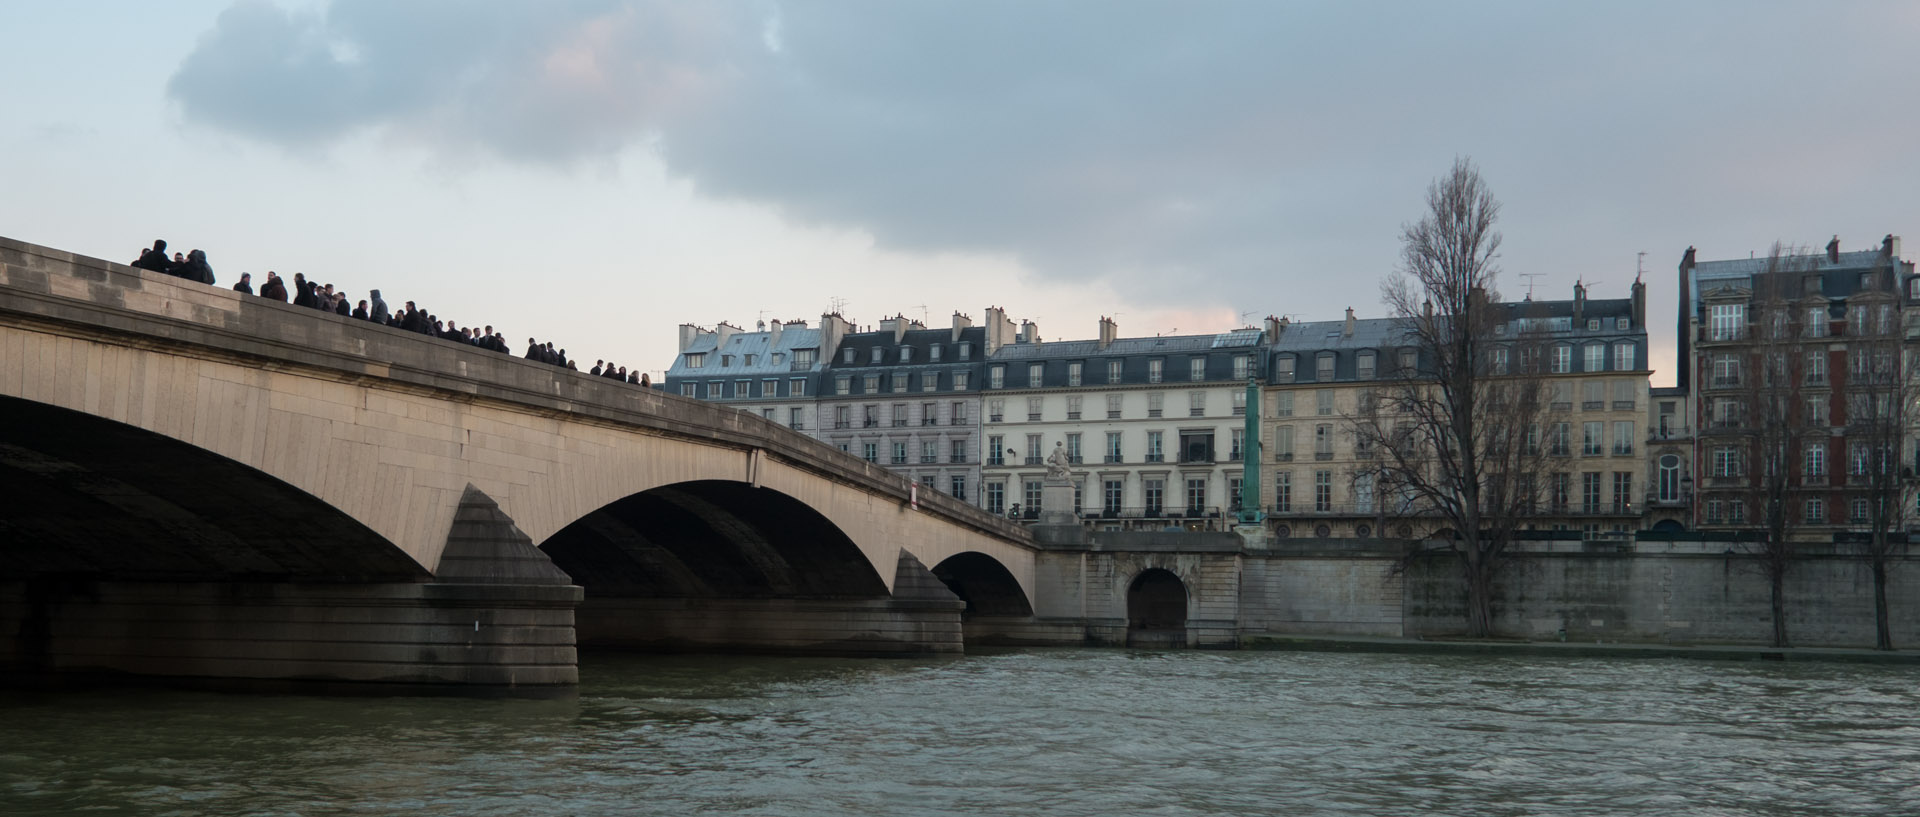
(1669, 478)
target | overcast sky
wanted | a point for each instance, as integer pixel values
(596, 173)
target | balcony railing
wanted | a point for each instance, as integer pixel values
(1151, 512)
(1034, 459)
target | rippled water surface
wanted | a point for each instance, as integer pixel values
(1055, 732)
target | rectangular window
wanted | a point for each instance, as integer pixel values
(1283, 443)
(1860, 511)
(1073, 407)
(1031, 498)
(1283, 404)
(1073, 373)
(1283, 492)
(1590, 439)
(1562, 359)
(1034, 405)
(1155, 493)
(899, 415)
(696, 360)
(1623, 438)
(716, 389)
(1816, 460)
(1283, 370)
(1156, 404)
(957, 451)
(929, 415)
(996, 410)
(1196, 368)
(1239, 442)
(1408, 358)
(929, 452)
(1624, 398)
(1623, 357)
(996, 450)
(1726, 461)
(686, 389)
(1322, 491)
(1155, 450)
(933, 353)
(1622, 491)
(1323, 402)
(1363, 494)
(1036, 374)
(1559, 491)
(1196, 404)
(842, 416)
(870, 452)
(1033, 449)
(1323, 442)
(959, 484)
(1323, 367)
(929, 381)
(996, 377)
(1727, 321)
(1596, 357)
(1155, 369)
(793, 419)
(966, 351)
(996, 498)
(1196, 497)
(1239, 403)
(1111, 492)
(1241, 365)
(959, 417)
(1113, 371)
(1364, 366)
(1593, 395)
(1817, 318)
(1073, 448)
(900, 453)
(1559, 440)
(1113, 446)
(960, 381)
(1816, 511)
(1816, 368)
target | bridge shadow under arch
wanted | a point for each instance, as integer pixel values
(1157, 609)
(987, 587)
(712, 539)
(92, 498)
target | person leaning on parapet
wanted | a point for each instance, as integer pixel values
(196, 268)
(274, 287)
(340, 305)
(377, 308)
(245, 286)
(154, 259)
(302, 291)
(361, 311)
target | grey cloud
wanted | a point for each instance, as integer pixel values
(1226, 148)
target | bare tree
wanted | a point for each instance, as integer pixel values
(1883, 388)
(1760, 412)
(1457, 432)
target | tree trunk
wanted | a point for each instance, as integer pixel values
(1479, 599)
(1778, 581)
(1882, 632)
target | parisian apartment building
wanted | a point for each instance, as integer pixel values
(1324, 376)
(908, 397)
(775, 371)
(1785, 359)
(1152, 426)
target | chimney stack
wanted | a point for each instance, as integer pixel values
(1833, 250)
(724, 330)
(1890, 246)
(690, 333)
(1579, 305)
(773, 335)
(999, 329)
(1108, 331)
(1029, 332)
(833, 329)
(960, 322)
(1347, 331)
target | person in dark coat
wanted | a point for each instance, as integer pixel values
(361, 311)
(533, 349)
(340, 305)
(377, 311)
(303, 291)
(154, 259)
(196, 268)
(274, 287)
(645, 381)
(246, 284)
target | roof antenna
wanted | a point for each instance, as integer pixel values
(1640, 266)
(1530, 276)
(923, 314)
(836, 305)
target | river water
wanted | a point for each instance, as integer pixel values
(1045, 732)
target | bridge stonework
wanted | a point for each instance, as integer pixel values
(254, 462)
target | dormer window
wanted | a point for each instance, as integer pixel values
(1622, 324)
(847, 356)
(906, 354)
(966, 351)
(747, 359)
(776, 358)
(696, 360)
(878, 354)
(933, 353)
(726, 360)
(1593, 324)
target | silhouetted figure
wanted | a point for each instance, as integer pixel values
(246, 284)
(533, 349)
(303, 291)
(340, 306)
(360, 311)
(274, 287)
(154, 259)
(196, 268)
(645, 381)
(377, 310)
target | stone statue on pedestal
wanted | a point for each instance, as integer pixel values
(1057, 463)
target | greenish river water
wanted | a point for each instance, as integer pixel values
(1043, 732)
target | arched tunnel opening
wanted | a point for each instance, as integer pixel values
(1157, 609)
(720, 566)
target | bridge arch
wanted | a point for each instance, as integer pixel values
(1157, 602)
(712, 539)
(986, 585)
(90, 497)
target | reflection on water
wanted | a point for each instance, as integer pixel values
(1094, 732)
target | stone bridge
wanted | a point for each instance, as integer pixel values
(201, 483)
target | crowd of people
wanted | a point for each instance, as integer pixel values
(194, 267)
